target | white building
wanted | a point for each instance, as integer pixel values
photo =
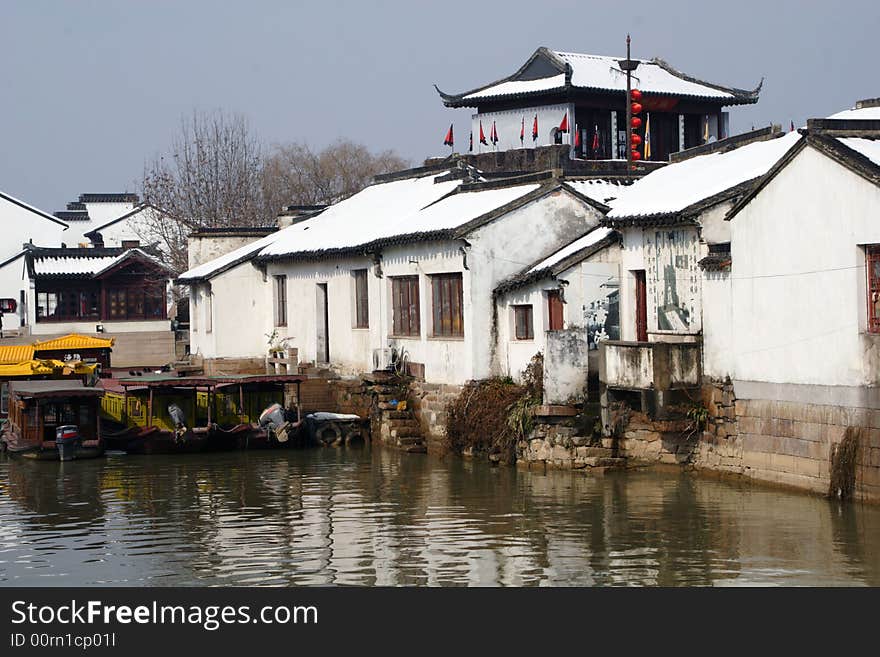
(411, 261)
(671, 220)
(122, 293)
(805, 278)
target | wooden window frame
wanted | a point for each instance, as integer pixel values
(405, 307)
(361, 298)
(872, 286)
(447, 305)
(280, 299)
(527, 313)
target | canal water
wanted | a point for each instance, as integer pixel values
(376, 517)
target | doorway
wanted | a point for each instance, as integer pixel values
(641, 305)
(322, 323)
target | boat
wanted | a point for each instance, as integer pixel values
(251, 408)
(53, 420)
(167, 414)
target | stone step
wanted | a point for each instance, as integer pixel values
(397, 415)
(410, 440)
(416, 449)
(406, 434)
(409, 423)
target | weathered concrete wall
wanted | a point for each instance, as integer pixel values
(202, 248)
(566, 366)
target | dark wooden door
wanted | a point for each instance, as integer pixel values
(641, 306)
(554, 305)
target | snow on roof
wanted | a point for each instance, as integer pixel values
(603, 72)
(675, 187)
(376, 212)
(513, 87)
(593, 237)
(870, 148)
(598, 189)
(227, 260)
(864, 113)
(82, 265)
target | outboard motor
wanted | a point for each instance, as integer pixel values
(178, 418)
(274, 421)
(66, 440)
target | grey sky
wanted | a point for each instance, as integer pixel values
(90, 89)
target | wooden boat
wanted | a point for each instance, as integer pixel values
(165, 414)
(41, 411)
(251, 407)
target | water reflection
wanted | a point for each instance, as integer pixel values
(380, 518)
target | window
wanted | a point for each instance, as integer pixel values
(117, 300)
(280, 300)
(361, 299)
(446, 301)
(47, 302)
(405, 305)
(523, 324)
(554, 306)
(872, 262)
(67, 304)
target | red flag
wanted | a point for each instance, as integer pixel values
(449, 141)
(563, 127)
(577, 137)
(522, 131)
(483, 136)
(535, 129)
(494, 135)
(596, 139)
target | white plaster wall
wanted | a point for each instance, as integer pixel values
(242, 314)
(13, 279)
(20, 225)
(201, 249)
(133, 228)
(632, 257)
(585, 286)
(495, 252)
(798, 277)
(509, 124)
(99, 214)
(717, 308)
(714, 229)
(62, 328)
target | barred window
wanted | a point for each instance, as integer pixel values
(523, 322)
(361, 299)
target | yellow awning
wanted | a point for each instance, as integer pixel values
(74, 341)
(16, 353)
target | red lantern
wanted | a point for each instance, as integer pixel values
(636, 155)
(635, 139)
(636, 108)
(635, 94)
(635, 122)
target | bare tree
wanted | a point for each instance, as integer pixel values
(294, 174)
(210, 179)
(217, 177)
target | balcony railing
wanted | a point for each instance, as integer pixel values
(650, 365)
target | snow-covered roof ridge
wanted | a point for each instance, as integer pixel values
(397, 212)
(84, 262)
(677, 187)
(551, 266)
(218, 265)
(550, 71)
